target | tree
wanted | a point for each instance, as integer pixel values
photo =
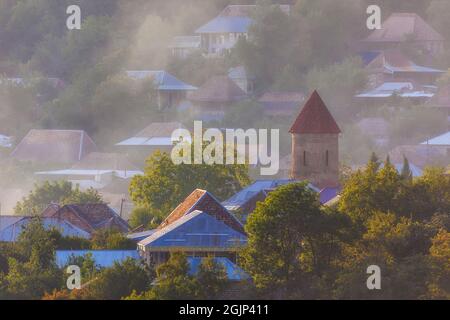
(275, 40)
(399, 247)
(119, 281)
(36, 272)
(143, 217)
(111, 239)
(406, 170)
(60, 192)
(211, 279)
(439, 286)
(286, 237)
(172, 282)
(164, 184)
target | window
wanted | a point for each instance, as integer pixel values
(326, 158)
(304, 158)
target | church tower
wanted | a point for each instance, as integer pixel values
(315, 145)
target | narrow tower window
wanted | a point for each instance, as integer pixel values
(326, 158)
(304, 158)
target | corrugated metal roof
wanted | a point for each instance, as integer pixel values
(442, 140)
(102, 258)
(226, 25)
(12, 232)
(234, 272)
(162, 80)
(196, 229)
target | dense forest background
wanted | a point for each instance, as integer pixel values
(313, 48)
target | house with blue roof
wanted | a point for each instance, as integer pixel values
(223, 32)
(170, 91)
(13, 227)
(244, 201)
(199, 226)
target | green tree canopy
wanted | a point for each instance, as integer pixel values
(60, 192)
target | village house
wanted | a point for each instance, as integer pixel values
(12, 226)
(169, 91)
(88, 217)
(156, 136)
(54, 146)
(97, 170)
(386, 92)
(393, 66)
(405, 28)
(183, 46)
(223, 32)
(214, 97)
(244, 202)
(199, 226)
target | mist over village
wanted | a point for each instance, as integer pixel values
(225, 150)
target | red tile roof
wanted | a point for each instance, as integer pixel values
(315, 118)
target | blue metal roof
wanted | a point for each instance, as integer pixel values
(12, 232)
(327, 194)
(102, 258)
(241, 198)
(368, 56)
(196, 229)
(226, 25)
(161, 79)
(234, 272)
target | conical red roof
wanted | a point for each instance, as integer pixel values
(315, 118)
